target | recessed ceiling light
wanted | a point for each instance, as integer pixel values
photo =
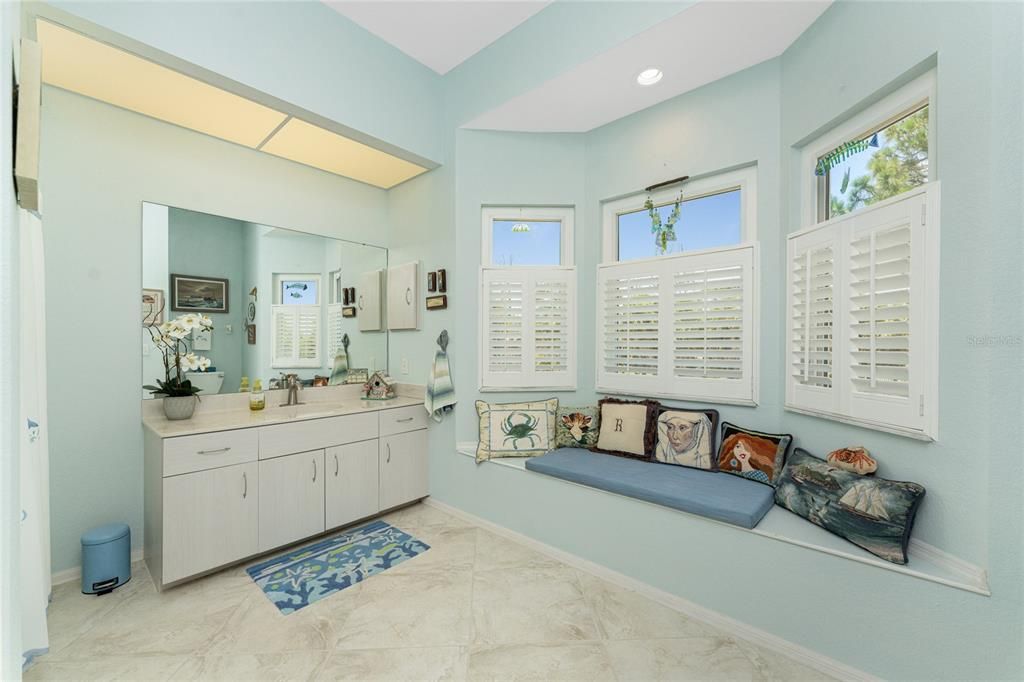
(649, 76)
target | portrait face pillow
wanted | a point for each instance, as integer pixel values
(577, 427)
(752, 454)
(627, 428)
(516, 429)
(686, 438)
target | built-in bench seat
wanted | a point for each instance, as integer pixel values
(719, 496)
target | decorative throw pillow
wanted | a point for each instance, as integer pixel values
(516, 429)
(687, 438)
(577, 427)
(627, 428)
(873, 513)
(752, 454)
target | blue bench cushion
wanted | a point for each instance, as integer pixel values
(718, 496)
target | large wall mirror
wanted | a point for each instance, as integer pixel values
(281, 301)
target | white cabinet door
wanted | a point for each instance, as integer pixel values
(403, 468)
(369, 300)
(291, 498)
(210, 519)
(351, 482)
(403, 290)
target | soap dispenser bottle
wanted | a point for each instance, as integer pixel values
(257, 399)
(244, 386)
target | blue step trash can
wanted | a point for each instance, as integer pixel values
(106, 558)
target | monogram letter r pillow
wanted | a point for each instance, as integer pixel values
(627, 428)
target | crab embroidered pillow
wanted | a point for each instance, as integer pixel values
(627, 428)
(752, 454)
(516, 429)
(687, 438)
(577, 427)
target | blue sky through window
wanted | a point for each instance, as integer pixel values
(540, 245)
(704, 223)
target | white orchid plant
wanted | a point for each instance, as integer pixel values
(173, 339)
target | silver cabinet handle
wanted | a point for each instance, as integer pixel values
(245, 486)
(335, 466)
(360, 301)
(408, 295)
(388, 446)
(314, 471)
(211, 452)
(407, 419)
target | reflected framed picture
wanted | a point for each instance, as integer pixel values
(193, 294)
(250, 334)
(431, 281)
(348, 311)
(437, 302)
(152, 307)
(442, 281)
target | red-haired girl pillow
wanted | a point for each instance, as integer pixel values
(752, 454)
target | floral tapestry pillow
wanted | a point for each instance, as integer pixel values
(577, 427)
(516, 429)
(687, 438)
(752, 454)
(627, 428)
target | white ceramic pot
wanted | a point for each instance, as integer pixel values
(179, 407)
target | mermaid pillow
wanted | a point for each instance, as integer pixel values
(752, 454)
(687, 438)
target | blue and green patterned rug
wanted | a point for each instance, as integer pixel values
(300, 577)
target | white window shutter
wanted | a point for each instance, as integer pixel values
(528, 336)
(295, 337)
(813, 280)
(335, 331)
(863, 316)
(680, 326)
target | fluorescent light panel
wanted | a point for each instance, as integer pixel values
(88, 67)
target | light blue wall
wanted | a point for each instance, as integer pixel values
(204, 245)
(302, 52)
(99, 164)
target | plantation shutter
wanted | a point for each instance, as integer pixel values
(812, 283)
(335, 331)
(862, 327)
(679, 326)
(295, 336)
(528, 318)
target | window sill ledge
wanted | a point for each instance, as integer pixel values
(926, 562)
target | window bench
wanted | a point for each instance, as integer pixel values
(926, 562)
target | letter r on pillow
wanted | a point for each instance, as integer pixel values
(618, 425)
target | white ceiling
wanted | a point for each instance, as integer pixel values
(442, 34)
(700, 44)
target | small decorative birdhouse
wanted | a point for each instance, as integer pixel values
(379, 387)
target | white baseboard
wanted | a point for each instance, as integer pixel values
(75, 572)
(757, 636)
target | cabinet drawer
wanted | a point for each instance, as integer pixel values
(316, 434)
(185, 454)
(402, 419)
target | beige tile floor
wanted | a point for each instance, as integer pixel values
(476, 606)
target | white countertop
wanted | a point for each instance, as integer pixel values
(206, 421)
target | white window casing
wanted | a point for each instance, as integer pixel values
(295, 336)
(743, 179)
(862, 331)
(528, 328)
(683, 326)
(561, 214)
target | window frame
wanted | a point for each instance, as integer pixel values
(563, 214)
(750, 250)
(837, 231)
(743, 179)
(905, 100)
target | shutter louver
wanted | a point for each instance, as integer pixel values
(296, 336)
(708, 323)
(529, 326)
(813, 292)
(630, 330)
(335, 330)
(880, 310)
(284, 335)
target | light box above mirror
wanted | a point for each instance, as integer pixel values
(281, 301)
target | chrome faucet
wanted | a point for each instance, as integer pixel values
(292, 383)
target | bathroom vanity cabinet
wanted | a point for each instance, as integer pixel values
(218, 497)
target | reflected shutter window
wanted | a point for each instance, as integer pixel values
(295, 341)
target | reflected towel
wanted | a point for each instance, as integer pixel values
(340, 370)
(440, 394)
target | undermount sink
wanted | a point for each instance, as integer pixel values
(301, 410)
